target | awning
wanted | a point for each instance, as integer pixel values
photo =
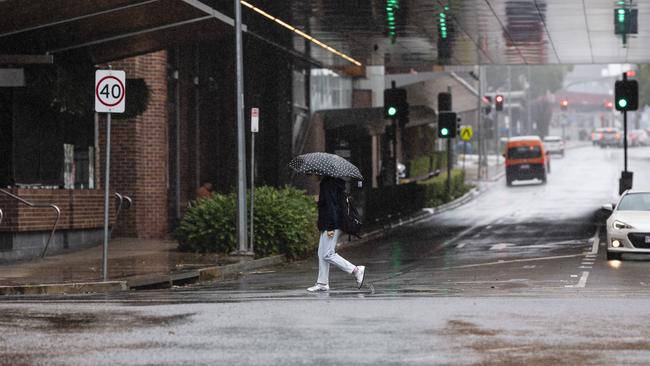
(105, 29)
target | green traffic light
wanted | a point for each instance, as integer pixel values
(392, 111)
(622, 103)
(444, 131)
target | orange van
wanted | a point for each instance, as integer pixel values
(526, 159)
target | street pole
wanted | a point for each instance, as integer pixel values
(496, 133)
(252, 190)
(241, 140)
(449, 167)
(106, 189)
(254, 130)
(478, 127)
(625, 139)
(450, 163)
(509, 102)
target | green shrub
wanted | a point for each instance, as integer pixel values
(285, 223)
(435, 189)
(424, 164)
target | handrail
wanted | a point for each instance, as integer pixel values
(38, 205)
(121, 198)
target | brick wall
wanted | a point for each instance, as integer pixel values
(139, 155)
(80, 209)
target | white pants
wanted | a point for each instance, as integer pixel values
(327, 255)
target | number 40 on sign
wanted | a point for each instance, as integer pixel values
(110, 91)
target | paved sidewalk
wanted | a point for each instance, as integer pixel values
(130, 259)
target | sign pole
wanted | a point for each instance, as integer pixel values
(110, 94)
(106, 191)
(254, 129)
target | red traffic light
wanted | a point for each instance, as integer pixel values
(564, 103)
(499, 98)
(609, 105)
(631, 73)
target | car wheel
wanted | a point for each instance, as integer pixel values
(613, 256)
(543, 178)
(508, 182)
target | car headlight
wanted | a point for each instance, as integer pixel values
(620, 225)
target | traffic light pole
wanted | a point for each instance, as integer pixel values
(625, 140)
(450, 166)
(496, 136)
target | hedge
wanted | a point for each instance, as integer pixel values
(435, 189)
(404, 199)
(424, 164)
(285, 223)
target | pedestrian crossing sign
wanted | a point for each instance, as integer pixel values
(466, 133)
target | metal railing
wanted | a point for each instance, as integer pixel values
(38, 205)
(121, 199)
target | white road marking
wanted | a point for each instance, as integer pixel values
(461, 245)
(529, 266)
(500, 246)
(574, 276)
(582, 282)
(585, 267)
(513, 261)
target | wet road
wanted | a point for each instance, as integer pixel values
(517, 276)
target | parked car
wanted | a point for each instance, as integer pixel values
(526, 158)
(638, 138)
(554, 145)
(628, 227)
(596, 136)
(611, 136)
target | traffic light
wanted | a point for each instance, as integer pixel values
(608, 105)
(564, 104)
(395, 105)
(626, 95)
(444, 102)
(498, 102)
(626, 21)
(447, 125)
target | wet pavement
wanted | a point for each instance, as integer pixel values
(516, 276)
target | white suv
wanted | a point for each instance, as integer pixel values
(554, 145)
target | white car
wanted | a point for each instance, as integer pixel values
(628, 228)
(554, 145)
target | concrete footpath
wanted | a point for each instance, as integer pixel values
(133, 264)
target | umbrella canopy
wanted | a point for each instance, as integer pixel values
(330, 165)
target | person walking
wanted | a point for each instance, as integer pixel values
(329, 226)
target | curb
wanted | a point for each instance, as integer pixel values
(65, 288)
(202, 274)
(423, 214)
(145, 281)
(233, 270)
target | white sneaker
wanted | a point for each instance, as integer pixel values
(319, 288)
(361, 270)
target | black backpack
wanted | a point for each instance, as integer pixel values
(350, 219)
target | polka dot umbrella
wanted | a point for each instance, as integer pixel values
(330, 165)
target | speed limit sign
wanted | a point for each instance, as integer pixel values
(110, 91)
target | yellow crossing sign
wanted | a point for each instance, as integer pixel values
(466, 133)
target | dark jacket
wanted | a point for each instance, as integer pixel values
(331, 190)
